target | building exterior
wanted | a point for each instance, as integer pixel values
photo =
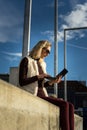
(76, 92)
(77, 95)
(4, 77)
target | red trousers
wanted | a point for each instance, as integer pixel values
(66, 112)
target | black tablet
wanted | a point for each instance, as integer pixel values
(62, 73)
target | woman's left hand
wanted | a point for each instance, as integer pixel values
(57, 80)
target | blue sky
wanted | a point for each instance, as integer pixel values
(71, 14)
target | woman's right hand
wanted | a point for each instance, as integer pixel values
(42, 76)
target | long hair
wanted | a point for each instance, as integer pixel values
(35, 53)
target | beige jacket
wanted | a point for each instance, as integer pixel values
(32, 71)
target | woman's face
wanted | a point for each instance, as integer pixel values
(45, 51)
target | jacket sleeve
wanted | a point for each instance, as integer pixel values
(46, 84)
(23, 69)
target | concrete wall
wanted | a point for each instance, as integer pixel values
(20, 110)
(13, 76)
(78, 122)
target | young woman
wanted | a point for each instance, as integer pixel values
(32, 75)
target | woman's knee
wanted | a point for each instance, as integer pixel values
(65, 104)
(71, 105)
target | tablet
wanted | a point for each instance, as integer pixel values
(62, 73)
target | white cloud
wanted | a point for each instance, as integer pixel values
(49, 34)
(12, 54)
(11, 34)
(78, 17)
(11, 21)
(73, 2)
(79, 47)
(11, 57)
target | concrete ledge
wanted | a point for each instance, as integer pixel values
(78, 122)
(20, 110)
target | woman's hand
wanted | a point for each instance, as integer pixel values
(57, 80)
(42, 76)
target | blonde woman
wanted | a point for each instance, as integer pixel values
(32, 75)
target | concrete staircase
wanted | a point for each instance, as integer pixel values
(20, 110)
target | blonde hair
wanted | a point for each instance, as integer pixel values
(35, 53)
